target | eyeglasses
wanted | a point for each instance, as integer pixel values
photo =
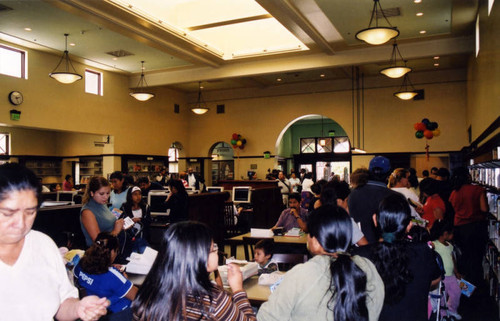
(215, 248)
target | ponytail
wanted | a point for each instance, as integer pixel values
(332, 227)
(349, 282)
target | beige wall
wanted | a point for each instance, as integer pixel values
(484, 74)
(138, 127)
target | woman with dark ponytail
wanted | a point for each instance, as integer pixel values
(333, 285)
(408, 269)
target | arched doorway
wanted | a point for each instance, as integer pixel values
(317, 144)
(222, 155)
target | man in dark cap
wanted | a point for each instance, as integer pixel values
(364, 200)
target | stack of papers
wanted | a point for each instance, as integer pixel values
(293, 232)
(248, 269)
(141, 263)
(261, 232)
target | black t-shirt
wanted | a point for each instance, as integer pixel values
(423, 266)
(363, 203)
(154, 186)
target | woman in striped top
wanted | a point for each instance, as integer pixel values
(178, 286)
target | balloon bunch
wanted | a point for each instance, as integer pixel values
(427, 129)
(237, 141)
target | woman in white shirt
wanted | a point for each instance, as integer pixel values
(398, 182)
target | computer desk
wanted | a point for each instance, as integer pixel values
(298, 241)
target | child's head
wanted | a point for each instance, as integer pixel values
(263, 251)
(134, 196)
(442, 229)
(100, 255)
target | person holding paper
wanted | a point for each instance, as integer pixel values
(293, 216)
(178, 286)
(97, 275)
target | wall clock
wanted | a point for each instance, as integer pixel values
(16, 98)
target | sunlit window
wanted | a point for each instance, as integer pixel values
(173, 159)
(13, 62)
(93, 82)
(4, 144)
(324, 145)
(477, 35)
(341, 145)
(308, 145)
(490, 6)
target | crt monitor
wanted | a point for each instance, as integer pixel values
(65, 196)
(156, 202)
(214, 189)
(241, 194)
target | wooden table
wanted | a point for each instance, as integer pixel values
(299, 241)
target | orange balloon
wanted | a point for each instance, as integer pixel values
(428, 134)
(436, 132)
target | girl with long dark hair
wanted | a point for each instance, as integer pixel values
(138, 210)
(178, 286)
(333, 285)
(409, 270)
(97, 275)
(177, 201)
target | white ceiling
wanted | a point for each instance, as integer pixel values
(325, 27)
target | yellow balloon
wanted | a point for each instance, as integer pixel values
(239, 143)
(436, 132)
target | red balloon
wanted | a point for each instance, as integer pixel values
(428, 134)
(242, 146)
(235, 136)
(419, 126)
(235, 146)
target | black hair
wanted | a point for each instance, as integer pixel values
(332, 227)
(295, 196)
(413, 179)
(178, 273)
(390, 256)
(434, 170)
(429, 186)
(143, 179)
(443, 172)
(460, 177)
(97, 258)
(127, 206)
(67, 177)
(266, 245)
(425, 173)
(117, 174)
(439, 227)
(308, 175)
(317, 187)
(15, 177)
(179, 186)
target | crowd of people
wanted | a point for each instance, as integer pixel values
(371, 259)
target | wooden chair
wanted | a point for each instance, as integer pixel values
(286, 261)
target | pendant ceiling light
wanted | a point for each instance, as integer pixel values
(406, 91)
(140, 93)
(65, 76)
(200, 107)
(396, 70)
(377, 35)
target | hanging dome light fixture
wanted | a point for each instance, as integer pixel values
(377, 35)
(200, 107)
(65, 76)
(395, 70)
(140, 93)
(406, 91)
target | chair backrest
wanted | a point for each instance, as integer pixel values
(288, 260)
(230, 228)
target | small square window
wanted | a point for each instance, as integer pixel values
(341, 145)
(307, 145)
(4, 144)
(93, 82)
(13, 62)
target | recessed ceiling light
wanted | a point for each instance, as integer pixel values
(436, 58)
(322, 75)
(422, 31)
(419, 14)
(417, 1)
(436, 65)
(72, 44)
(278, 79)
(27, 29)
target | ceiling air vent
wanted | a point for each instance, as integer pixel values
(4, 8)
(120, 53)
(390, 12)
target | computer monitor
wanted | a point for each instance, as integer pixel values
(241, 194)
(215, 189)
(156, 201)
(65, 196)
